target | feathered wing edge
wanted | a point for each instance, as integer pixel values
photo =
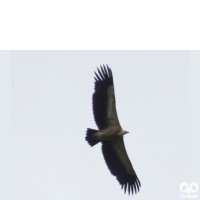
(103, 80)
(117, 168)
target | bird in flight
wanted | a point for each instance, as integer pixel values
(110, 132)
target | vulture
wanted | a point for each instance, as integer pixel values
(110, 132)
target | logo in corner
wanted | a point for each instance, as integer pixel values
(189, 190)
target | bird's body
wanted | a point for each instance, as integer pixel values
(110, 132)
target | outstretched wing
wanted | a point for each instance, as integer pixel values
(118, 162)
(104, 108)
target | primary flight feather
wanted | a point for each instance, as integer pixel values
(110, 132)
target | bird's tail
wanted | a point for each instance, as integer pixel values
(89, 137)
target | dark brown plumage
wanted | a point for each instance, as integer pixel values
(110, 132)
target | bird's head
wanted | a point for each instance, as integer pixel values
(123, 132)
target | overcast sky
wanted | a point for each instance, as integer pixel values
(52, 108)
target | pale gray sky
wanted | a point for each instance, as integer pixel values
(52, 107)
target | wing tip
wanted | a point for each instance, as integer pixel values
(104, 72)
(131, 186)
